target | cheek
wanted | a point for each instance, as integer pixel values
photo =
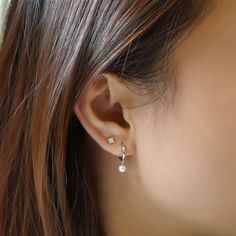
(187, 162)
(187, 159)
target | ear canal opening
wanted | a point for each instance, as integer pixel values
(122, 120)
(105, 111)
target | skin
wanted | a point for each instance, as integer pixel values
(181, 161)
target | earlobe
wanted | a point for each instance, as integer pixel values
(103, 116)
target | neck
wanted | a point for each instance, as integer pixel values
(125, 207)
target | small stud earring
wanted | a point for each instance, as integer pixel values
(122, 167)
(110, 140)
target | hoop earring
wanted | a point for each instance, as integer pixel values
(122, 167)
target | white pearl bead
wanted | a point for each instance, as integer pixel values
(121, 168)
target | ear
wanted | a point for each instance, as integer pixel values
(105, 110)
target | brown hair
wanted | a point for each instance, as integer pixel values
(50, 52)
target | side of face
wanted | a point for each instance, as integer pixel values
(181, 159)
(187, 156)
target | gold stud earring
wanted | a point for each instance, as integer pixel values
(110, 140)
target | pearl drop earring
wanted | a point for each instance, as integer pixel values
(122, 167)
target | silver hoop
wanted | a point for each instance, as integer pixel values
(122, 167)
